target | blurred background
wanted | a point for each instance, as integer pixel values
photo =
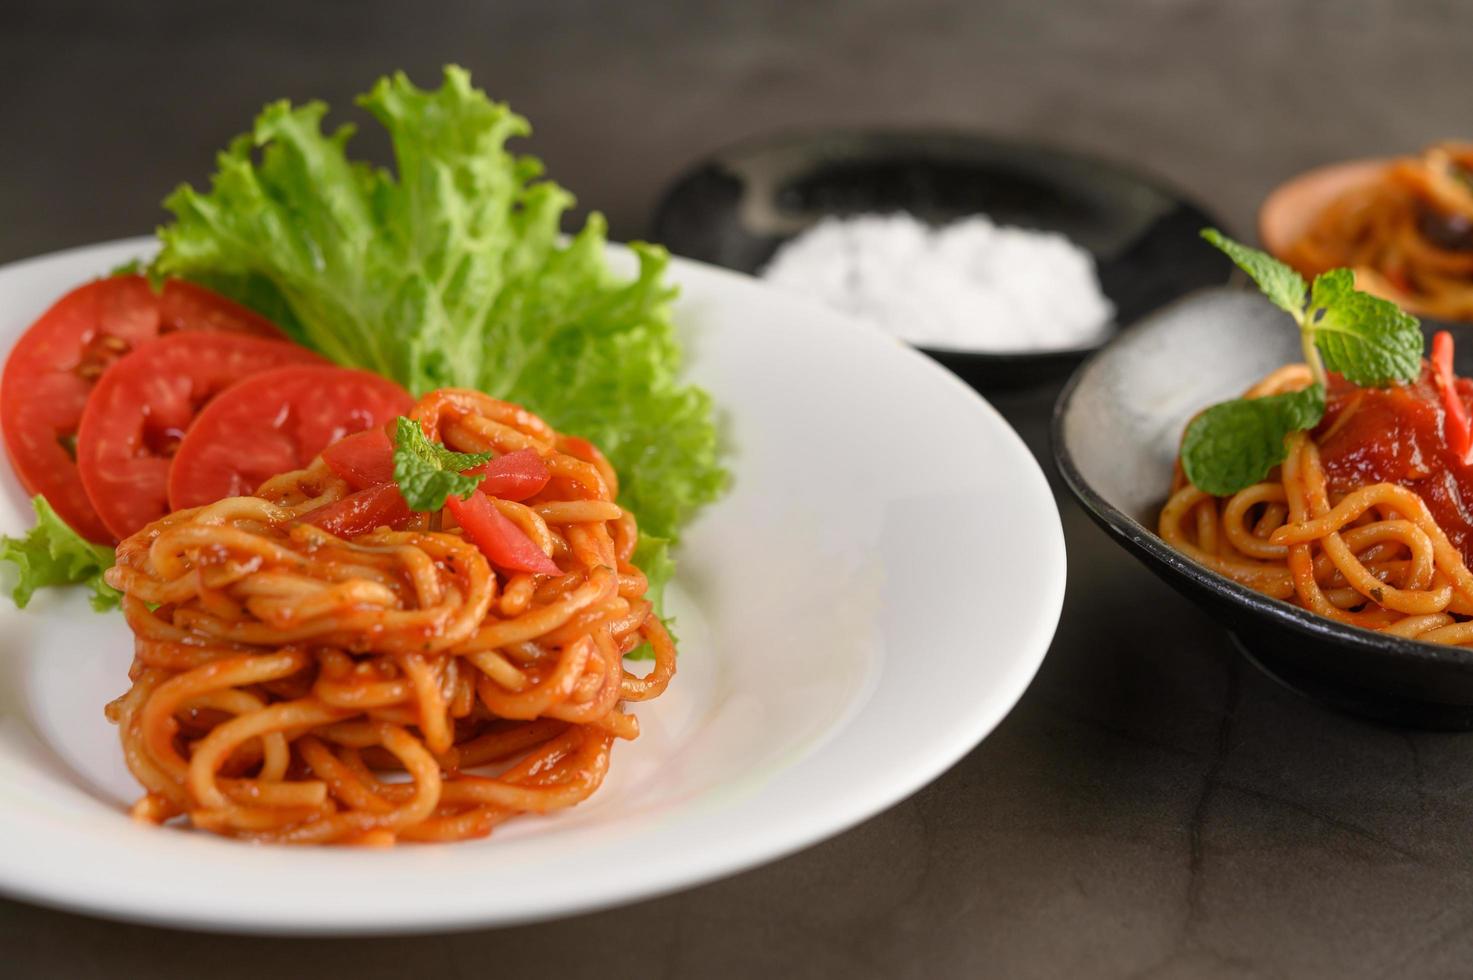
(1153, 807)
(106, 106)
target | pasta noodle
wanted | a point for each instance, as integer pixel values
(292, 686)
(1408, 234)
(1374, 557)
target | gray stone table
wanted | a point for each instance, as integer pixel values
(1153, 807)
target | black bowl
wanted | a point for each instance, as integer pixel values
(737, 207)
(1116, 428)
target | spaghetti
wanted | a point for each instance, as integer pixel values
(293, 686)
(1358, 524)
(1408, 234)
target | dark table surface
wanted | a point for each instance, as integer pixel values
(1154, 806)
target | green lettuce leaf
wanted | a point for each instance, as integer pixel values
(52, 553)
(451, 271)
(652, 556)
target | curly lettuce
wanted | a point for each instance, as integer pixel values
(52, 553)
(451, 270)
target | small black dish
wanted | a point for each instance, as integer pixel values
(1115, 432)
(737, 207)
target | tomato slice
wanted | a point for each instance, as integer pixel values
(501, 541)
(186, 306)
(53, 367)
(361, 512)
(515, 476)
(364, 459)
(140, 410)
(276, 421)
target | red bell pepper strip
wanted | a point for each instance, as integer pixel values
(1456, 428)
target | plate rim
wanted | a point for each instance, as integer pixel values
(824, 818)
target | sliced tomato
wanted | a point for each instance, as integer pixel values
(361, 512)
(53, 367)
(515, 476)
(138, 414)
(364, 459)
(503, 543)
(186, 306)
(276, 421)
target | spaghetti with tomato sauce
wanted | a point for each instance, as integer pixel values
(1368, 519)
(1407, 233)
(1395, 435)
(317, 663)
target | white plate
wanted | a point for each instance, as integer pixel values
(866, 604)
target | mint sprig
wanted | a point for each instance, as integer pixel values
(1368, 340)
(427, 472)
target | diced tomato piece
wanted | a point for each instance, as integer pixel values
(503, 543)
(364, 459)
(515, 476)
(361, 512)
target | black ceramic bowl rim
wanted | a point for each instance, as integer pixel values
(1147, 545)
(1057, 356)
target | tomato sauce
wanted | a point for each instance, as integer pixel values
(1395, 435)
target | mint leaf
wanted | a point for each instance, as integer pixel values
(1284, 287)
(1234, 444)
(427, 472)
(1366, 338)
(52, 553)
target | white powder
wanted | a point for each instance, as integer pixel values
(971, 285)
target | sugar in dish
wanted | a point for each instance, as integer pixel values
(972, 285)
